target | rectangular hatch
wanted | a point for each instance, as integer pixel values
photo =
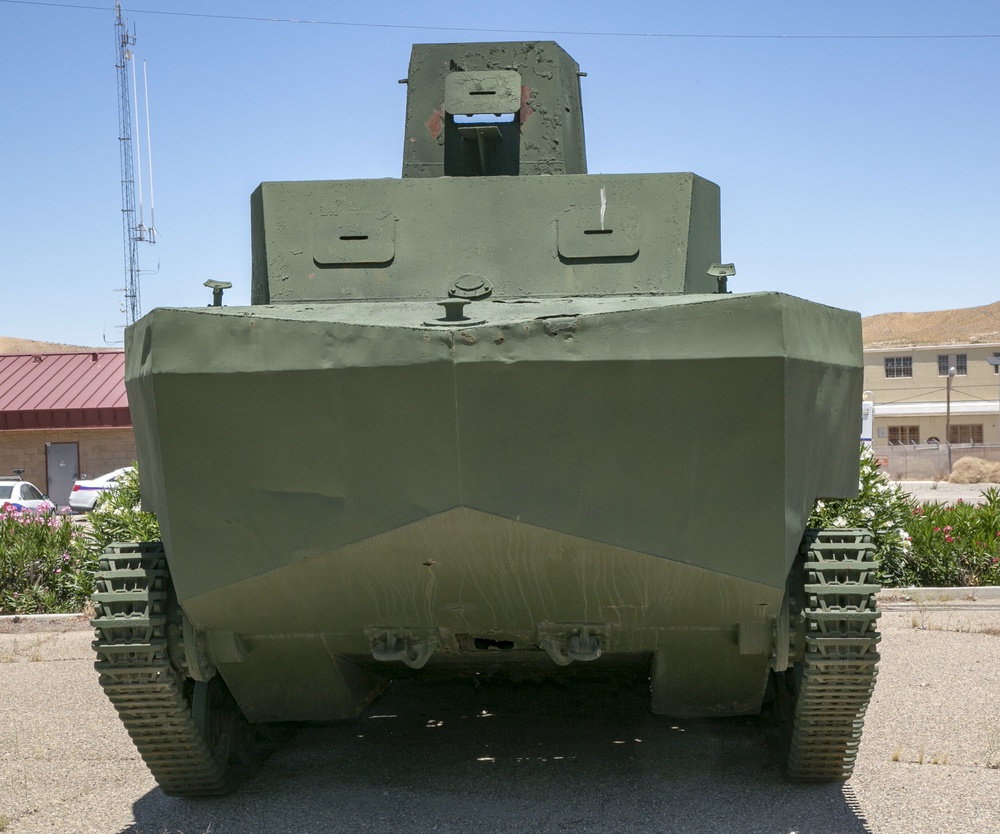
(585, 233)
(358, 238)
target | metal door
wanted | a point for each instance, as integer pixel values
(62, 468)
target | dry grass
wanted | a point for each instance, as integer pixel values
(31, 649)
(972, 470)
(992, 756)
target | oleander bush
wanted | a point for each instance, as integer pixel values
(930, 545)
(882, 507)
(118, 516)
(956, 544)
(46, 563)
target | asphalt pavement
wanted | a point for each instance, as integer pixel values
(526, 757)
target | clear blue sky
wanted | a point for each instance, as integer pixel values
(860, 171)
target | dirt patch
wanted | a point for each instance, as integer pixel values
(943, 492)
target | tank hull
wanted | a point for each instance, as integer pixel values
(638, 465)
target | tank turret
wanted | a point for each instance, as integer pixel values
(493, 109)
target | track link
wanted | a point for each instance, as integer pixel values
(837, 638)
(134, 610)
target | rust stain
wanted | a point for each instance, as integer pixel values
(435, 122)
(526, 109)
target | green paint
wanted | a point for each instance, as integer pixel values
(605, 441)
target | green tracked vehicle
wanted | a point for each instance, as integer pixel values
(496, 415)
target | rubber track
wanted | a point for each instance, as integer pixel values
(837, 674)
(130, 621)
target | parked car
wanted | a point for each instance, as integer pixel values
(22, 495)
(85, 492)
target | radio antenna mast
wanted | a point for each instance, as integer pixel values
(132, 232)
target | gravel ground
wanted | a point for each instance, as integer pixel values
(944, 492)
(526, 758)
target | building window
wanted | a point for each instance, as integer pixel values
(960, 362)
(899, 366)
(996, 368)
(972, 433)
(906, 435)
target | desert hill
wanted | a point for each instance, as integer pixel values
(10, 344)
(967, 326)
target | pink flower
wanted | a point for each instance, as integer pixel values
(947, 529)
(938, 530)
(948, 539)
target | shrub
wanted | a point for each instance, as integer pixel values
(882, 507)
(48, 562)
(118, 517)
(46, 566)
(958, 544)
(930, 545)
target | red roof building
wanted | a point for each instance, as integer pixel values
(64, 416)
(63, 390)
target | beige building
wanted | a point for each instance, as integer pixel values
(931, 379)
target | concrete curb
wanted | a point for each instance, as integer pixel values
(40, 618)
(964, 594)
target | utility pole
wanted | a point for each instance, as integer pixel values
(947, 414)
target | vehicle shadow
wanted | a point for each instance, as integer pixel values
(524, 757)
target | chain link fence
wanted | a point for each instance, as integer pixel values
(929, 462)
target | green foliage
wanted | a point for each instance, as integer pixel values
(882, 507)
(117, 516)
(958, 544)
(48, 561)
(46, 566)
(927, 545)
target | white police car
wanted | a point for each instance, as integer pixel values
(16, 494)
(85, 492)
